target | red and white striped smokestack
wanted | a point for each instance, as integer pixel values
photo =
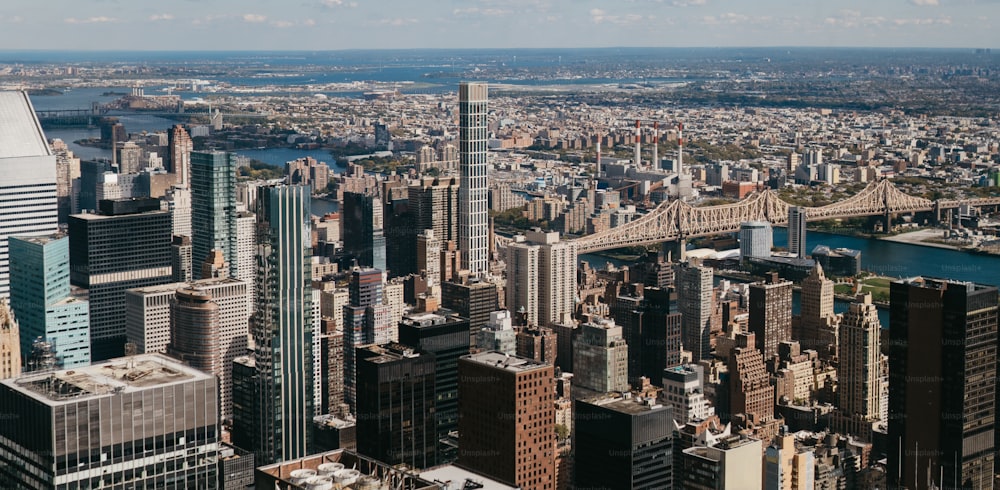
(656, 145)
(638, 140)
(680, 148)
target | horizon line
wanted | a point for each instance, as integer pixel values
(78, 50)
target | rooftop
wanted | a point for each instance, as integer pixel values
(627, 404)
(503, 361)
(451, 477)
(20, 133)
(121, 375)
(41, 240)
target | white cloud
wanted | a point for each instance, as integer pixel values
(478, 12)
(599, 16)
(926, 3)
(156, 17)
(688, 3)
(283, 24)
(254, 18)
(91, 20)
(337, 3)
(397, 22)
(309, 22)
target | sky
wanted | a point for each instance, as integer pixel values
(394, 24)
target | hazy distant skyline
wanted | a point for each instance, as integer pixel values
(390, 24)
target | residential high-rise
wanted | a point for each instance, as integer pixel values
(181, 147)
(756, 239)
(433, 202)
(750, 392)
(473, 193)
(622, 442)
(507, 419)
(41, 300)
(28, 196)
(770, 311)
(600, 357)
(396, 413)
(110, 442)
(788, 467)
(694, 303)
(446, 338)
(817, 325)
(246, 253)
(10, 343)
(733, 463)
(147, 317)
(126, 246)
(797, 231)
(859, 379)
(332, 368)
(942, 384)
(366, 321)
(67, 170)
(474, 300)
(181, 260)
(364, 238)
(213, 206)
(653, 333)
(179, 202)
(281, 325)
(536, 343)
(684, 392)
(541, 278)
(429, 256)
(498, 334)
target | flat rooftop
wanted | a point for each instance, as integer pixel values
(500, 360)
(451, 477)
(41, 240)
(632, 405)
(20, 133)
(108, 378)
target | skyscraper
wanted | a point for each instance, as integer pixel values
(942, 383)
(213, 207)
(622, 443)
(473, 300)
(363, 235)
(126, 246)
(446, 338)
(859, 383)
(473, 194)
(694, 302)
(797, 231)
(366, 321)
(67, 170)
(507, 419)
(281, 325)
(181, 147)
(771, 313)
(246, 258)
(600, 356)
(541, 278)
(817, 326)
(751, 395)
(41, 300)
(396, 414)
(172, 443)
(433, 202)
(28, 198)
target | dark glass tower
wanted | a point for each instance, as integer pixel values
(942, 383)
(282, 323)
(213, 206)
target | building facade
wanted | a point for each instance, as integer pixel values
(473, 190)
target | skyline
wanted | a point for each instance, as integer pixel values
(394, 24)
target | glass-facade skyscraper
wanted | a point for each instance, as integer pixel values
(213, 207)
(41, 300)
(282, 323)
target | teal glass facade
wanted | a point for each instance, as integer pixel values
(213, 207)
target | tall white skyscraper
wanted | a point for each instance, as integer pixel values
(797, 231)
(859, 374)
(694, 302)
(246, 258)
(755, 239)
(473, 194)
(28, 201)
